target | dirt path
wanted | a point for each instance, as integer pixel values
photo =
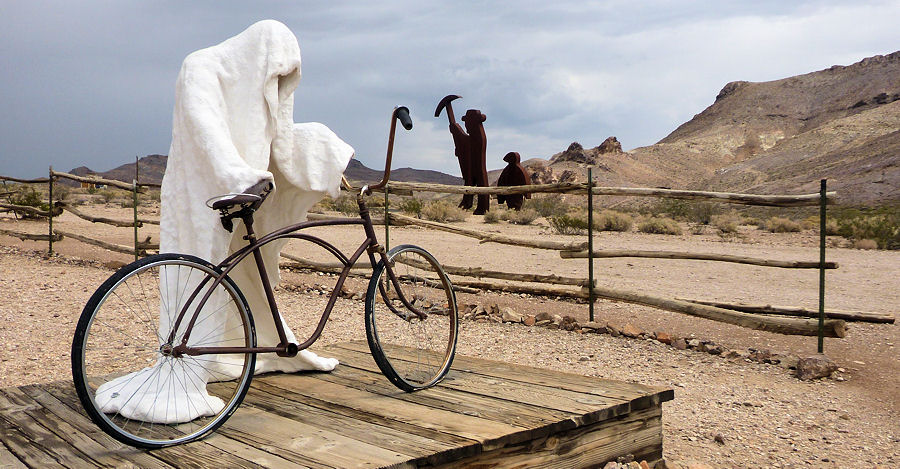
(767, 417)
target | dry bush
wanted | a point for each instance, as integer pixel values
(108, 195)
(568, 224)
(867, 244)
(552, 205)
(520, 217)
(882, 226)
(442, 212)
(660, 225)
(781, 225)
(412, 206)
(493, 216)
(611, 220)
(726, 224)
(346, 205)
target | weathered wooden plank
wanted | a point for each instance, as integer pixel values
(82, 424)
(516, 413)
(91, 449)
(199, 454)
(275, 400)
(503, 391)
(484, 431)
(639, 433)
(38, 437)
(21, 446)
(9, 460)
(570, 381)
(307, 444)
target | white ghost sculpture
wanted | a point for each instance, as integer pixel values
(233, 127)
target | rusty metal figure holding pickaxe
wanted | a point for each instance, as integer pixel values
(471, 150)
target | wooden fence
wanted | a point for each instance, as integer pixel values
(784, 320)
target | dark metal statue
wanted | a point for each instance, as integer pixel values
(470, 150)
(513, 175)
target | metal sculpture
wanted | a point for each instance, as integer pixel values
(470, 149)
(513, 175)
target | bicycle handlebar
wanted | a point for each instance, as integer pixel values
(400, 113)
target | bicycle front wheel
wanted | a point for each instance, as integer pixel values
(412, 332)
(129, 380)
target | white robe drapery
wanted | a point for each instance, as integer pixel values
(233, 127)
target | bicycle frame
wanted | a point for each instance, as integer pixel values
(284, 348)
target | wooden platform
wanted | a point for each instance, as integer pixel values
(487, 413)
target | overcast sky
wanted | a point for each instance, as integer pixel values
(92, 82)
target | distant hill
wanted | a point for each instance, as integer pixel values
(779, 136)
(152, 168)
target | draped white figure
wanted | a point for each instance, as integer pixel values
(233, 127)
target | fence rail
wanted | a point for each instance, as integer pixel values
(569, 250)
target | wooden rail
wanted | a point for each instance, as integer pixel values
(30, 236)
(571, 187)
(98, 180)
(25, 181)
(606, 253)
(862, 316)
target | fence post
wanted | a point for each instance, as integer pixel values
(387, 222)
(50, 242)
(590, 186)
(134, 187)
(822, 196)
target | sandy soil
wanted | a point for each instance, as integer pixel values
(767, 417)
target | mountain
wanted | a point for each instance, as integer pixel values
(152, 168)
(779, 136)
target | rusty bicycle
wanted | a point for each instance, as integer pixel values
(160, 329)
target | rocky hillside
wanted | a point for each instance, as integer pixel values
(152, 168)
(780, 136)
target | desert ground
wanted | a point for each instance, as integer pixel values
(761, 414)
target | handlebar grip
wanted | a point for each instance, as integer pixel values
(402, 114)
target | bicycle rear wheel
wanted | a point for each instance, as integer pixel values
(126, 376)
(414, 351)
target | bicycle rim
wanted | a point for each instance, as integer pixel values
(130, 384)
(414, 352)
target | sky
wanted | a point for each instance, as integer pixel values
(92, 82)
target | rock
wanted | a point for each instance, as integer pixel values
(664, 337)
(479, 311)
(509, 315)
(114, 265)
(543, 317)
(614, 329)
(719, 438)
(593, 326)
(815, 366)
(733, 355)
(611, 465)
(625, 459)
(529, 320)
(713, 349)
(630, 330)
(761, 356)
(610, 145)
(680, 344)
(789, 361)
(644, 465)
(557, 319)
(693, 343)
(545, 322)
(495, 308)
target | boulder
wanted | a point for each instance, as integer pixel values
(630, 330)
(815, 366)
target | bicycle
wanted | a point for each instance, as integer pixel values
(206, 334)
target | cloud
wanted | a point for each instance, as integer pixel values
(93, 82)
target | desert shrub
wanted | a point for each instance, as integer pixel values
(749, 221)
(107, 195)
(29, 197)
(867, 244)
(781, 225)
(412, 206)
(521, 217)
(660, 225)
(493, 216)
(346, 205)
(726, 224)
(611, 220)
(704, 212)
(883, 228)
(547, 206)
(61, 193)
(568, 224)
(441, 211)
(673, 208)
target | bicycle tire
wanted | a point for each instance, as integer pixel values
(412, 353)
(119, 356)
